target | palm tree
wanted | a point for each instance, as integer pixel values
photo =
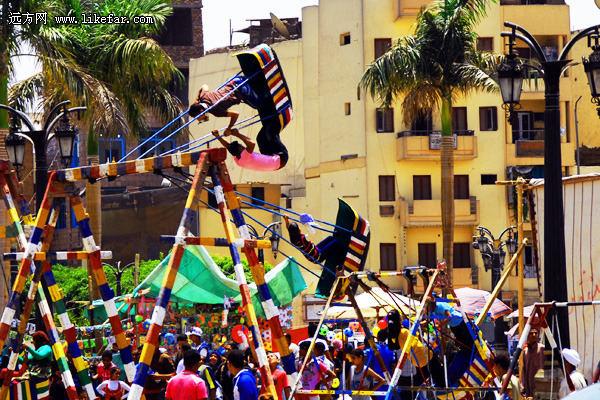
(117, 70)
(429, 70)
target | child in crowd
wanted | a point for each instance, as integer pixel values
(357, 380)
(501, 366)
(104, 368)
(279, 376)
(113, 389)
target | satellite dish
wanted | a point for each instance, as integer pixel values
(279, 26)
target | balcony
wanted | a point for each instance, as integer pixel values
(409, 7)
(528, 149)
(425, 145)
(427, 213)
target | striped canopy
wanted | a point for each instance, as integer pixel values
(473, 301)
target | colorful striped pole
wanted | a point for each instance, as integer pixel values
(158, 315)
(12, 211)
(15, 297)
(258, 273)
(411, 337)
(69, 331)
(107, 294)
(68, 327)
(258, 350)
(57, 255)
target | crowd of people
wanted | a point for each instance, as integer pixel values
(196, 372)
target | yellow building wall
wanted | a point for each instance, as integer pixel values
(335, 155)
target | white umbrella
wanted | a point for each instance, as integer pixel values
(526, 312)
(374, 304)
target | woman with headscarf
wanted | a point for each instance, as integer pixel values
(40, 356)
(214, 360)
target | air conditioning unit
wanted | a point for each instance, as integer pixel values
(386, 211)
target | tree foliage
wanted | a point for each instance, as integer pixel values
(73, 281)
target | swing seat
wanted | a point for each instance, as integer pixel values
(269, 85)
(354, 238)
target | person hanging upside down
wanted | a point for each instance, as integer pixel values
(245, 157)
(233, 93)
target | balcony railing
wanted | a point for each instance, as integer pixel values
(533, 134)
(402, 134)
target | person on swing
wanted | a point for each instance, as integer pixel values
(245, 157)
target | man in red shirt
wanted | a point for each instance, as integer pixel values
(187, 385)
(280, 379)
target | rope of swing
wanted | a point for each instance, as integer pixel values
(190, 121)
(272, 231)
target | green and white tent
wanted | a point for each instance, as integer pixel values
(200, 280)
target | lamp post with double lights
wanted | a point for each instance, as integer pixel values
(510, 76)
(493, 255)
(58, 125)
(274, 238)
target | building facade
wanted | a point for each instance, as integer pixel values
(344, 146)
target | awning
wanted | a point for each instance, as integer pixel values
(200, 280)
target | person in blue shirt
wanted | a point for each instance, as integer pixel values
(386, 354)
(244, 382)
(462, 336)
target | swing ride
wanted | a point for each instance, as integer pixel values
(417, 331)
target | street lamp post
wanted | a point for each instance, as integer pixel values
(493, 255)
(555, 265)
(65, 134)
(274, 238)
(118, 271)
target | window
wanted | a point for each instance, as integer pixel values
(462, 255)
(177, 30)
(427, 256)
(385, 119)
(459, 119)
(258, 196)
(529, 270)
(110, 149)
(461, 187)
(61, 222)
(485, 44)
(344, 39)
(154, 146)
(347, 108)
(523, 52)
(423, 123)
(387, 257)
(489, 179)
(422, 187)
(488, 119)
(387, 188)
(381, 46)
(180, 90)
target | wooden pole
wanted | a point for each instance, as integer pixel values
(521, 270)
(136, 282)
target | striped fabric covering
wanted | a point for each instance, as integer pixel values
(359, 240)
(267, 60)
(474, 377)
